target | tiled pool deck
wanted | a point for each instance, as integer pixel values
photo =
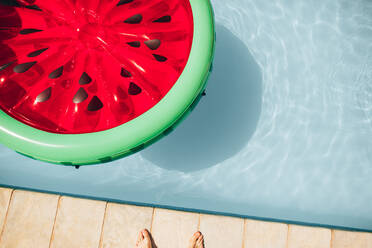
(29, 219)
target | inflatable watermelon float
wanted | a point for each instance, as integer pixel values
(90, 81)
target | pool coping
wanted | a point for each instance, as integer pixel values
(192, 210)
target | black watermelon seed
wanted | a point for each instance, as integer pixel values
(134, 89)
(164, 19)
(29, 31)
(85, 79)
(44, 96)
(21, 68)
(160, 58)
(134, 19)
(95, 104)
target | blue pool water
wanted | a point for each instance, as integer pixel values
(285, 131)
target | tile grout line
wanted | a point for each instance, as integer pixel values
(103, 226)
(54, 223)
(6, 214)
(244, 231)
(199, 217)
(332, 237)
(287, 236)
(152, 219)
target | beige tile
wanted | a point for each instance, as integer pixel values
(78, 223)
(173, 229)
(30, 220)
(259, 234)
(222, 232)
(343, 239)
(308, 237)
(4, 203)
(123, 223)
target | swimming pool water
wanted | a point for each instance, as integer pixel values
(284, 132)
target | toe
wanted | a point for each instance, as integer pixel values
(194, 239)
(140, 236)
(146, 234)
(147, 238)
(200, 243)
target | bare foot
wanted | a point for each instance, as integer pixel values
(144, 240)
(196, 241)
